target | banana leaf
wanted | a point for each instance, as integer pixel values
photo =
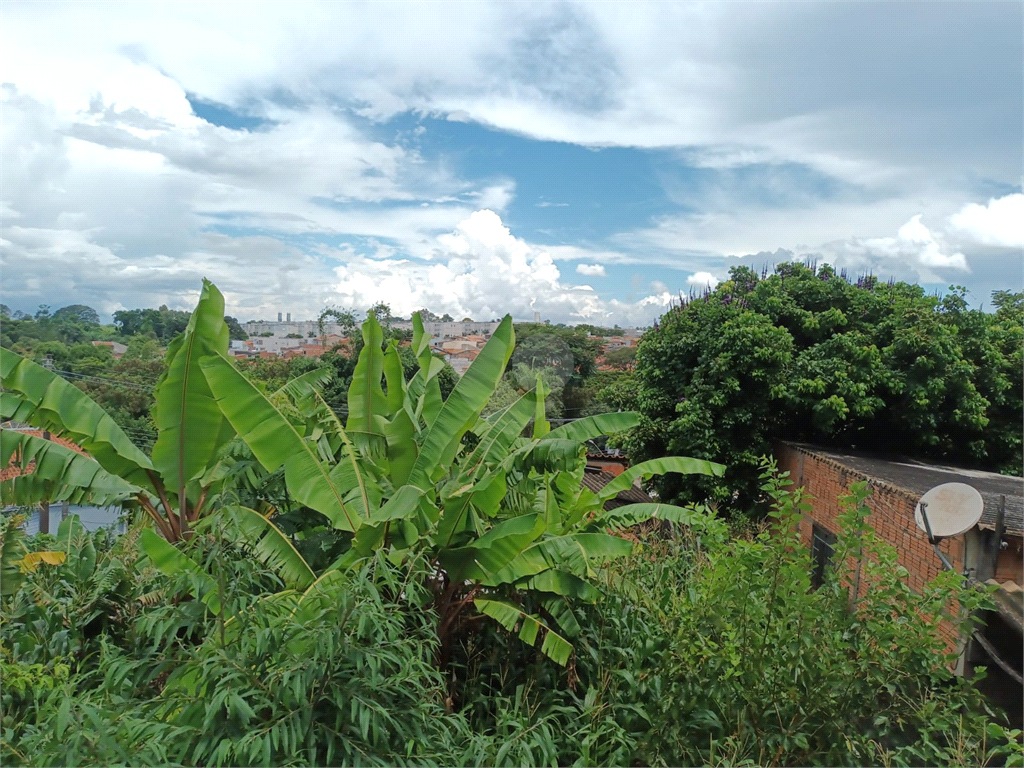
(634, 514)
(191, 428)
(540, 421)
(463, 405)
(647, 469)
(39, 397)
(493, 551)
(562, 583)
(575, 553)
(554, 646)
(271, 546)
(590, 427)
(367, 404)
(306, 384)
(276, 442)
(503, 428)
(59, 474)
(169, 560)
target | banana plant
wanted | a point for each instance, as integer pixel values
(171, 485)
(504, 518)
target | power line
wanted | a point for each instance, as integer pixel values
(137, 385)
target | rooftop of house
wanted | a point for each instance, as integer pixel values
(916, 478)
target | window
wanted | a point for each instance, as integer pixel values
(823, 546)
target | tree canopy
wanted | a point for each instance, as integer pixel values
(804, 354)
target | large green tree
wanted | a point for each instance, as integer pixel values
(804, 354)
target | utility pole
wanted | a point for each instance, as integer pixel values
(44, 506)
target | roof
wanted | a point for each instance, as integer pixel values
(915, 478)
(14, 469)
(596, 480)
(1009, 601)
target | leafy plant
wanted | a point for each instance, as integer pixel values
(502, 519)
(804, 354)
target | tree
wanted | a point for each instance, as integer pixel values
(502, 517)
(172, 485)
(235, 330)
(446, 318)
(804, 354)
(79, 313)
(382, 311)
(621, 358)
(5, 311)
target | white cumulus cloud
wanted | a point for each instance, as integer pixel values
(482, 270)
(591, 270)
(1000, 223)
(701, 279)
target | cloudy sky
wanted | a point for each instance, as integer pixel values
(585, 161)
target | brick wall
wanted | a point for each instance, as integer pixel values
(892, 517)
(1010, 563)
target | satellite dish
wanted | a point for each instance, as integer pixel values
(953, 508)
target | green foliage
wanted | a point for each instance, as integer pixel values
(803, 354)
(417, 583)
(727, 657)
(699, 649)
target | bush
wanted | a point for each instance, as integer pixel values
(726, 655)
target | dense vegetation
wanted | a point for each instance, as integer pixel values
(565, 356)
(416, 583)
(804, 354)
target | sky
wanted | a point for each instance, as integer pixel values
(588, 162)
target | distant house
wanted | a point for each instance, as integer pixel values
(116, 348)
(305, 350)
(458, 345)
(992, 552)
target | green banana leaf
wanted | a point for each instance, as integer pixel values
(171, 561)
(276, 442)
(554, 646)
(493, 551)
(463, 405)
(554, 455)
(634, 514)
(394, 376)
(12, 549)
(561, 583)
(541, 426)
(502, 430)
(349, 464)
(190, 425)
(59, 474)
(271, 546)
(647, 469)
(39, 397)
(306, 384)
(424, 391)
(367, 405)
(590, 427)
(575, 553)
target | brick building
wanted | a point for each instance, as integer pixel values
(993, 551)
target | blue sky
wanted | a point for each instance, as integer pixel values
(587, 161)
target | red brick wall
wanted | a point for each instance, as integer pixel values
(892, 517)
(1010, 563)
